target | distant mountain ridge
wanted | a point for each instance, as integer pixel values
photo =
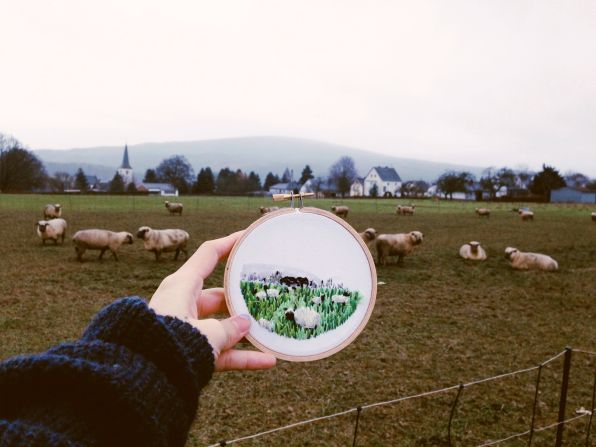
(260, 154)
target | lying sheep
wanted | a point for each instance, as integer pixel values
(174, 207)
(52, 211)
(340, 211)
(473, 251)
(159, 241)
(525, 261)
(405, 210)
(51, 229)
(103, 240)
(526, 215)
(483, 212)
(368, 236)
(270, 209)
(400, 245)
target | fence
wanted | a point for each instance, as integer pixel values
(559, 424)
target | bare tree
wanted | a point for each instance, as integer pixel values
(342, 173)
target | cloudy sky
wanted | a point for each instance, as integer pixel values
(474, 82)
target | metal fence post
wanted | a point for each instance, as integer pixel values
(563, 400)
(459, 390)
(588, 430)
(359, 409)
(536, 392)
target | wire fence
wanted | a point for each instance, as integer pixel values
(559, 424)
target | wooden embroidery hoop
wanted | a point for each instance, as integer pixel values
(353, 233)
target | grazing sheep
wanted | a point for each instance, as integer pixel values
(400, 245)
(95, 239)
(368, 236)
(405, 210)
(483, 212)
(159, 241)
(51, 229)
(174, 207)
(340, 211)
(472, 251)
(52, 211)
(270, 209)
(593, 217)
(304, 317)
(525, 261)
(526, 215)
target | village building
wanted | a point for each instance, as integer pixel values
(572, 195)
(357, 187)
(125, 170)
(385, 180)
(285, 188)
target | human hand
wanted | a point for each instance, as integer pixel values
(181, 295)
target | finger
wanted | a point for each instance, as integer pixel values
(212, 301)
(204, 260)
(234, 359)
(235, 329)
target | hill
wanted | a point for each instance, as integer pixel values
(259, 154)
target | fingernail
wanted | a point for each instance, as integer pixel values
(242, 322)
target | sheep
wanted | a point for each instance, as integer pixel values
(525, 261)
(304, 317)
(174, 207)
(483, 212)
(51, 229)
(270, 209)
(593, 217)
(526, 215)
(340, 211)
(405, 210)
(159, 241)
(96, 239)
(473, 251)
(368, 236)
(400, 245)
(51, 211)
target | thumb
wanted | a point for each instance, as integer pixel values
(236, 328)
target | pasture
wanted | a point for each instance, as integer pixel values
(438, 320)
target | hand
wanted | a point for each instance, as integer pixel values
(181, 295)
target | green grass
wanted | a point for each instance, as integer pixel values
(437, 320)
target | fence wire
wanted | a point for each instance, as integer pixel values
(458, 387)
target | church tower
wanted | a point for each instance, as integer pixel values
(125, 169)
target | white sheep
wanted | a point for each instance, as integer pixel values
(272, 293)
(174, 207)
(405, 210)
(96, 239)
(261, 294)
(526, 215)
(525, 261)
(51, 211)
(341, 299)
(368, 236)
(340, 211)
(472, 251)
(400, 245)
(307, 318)
(51, 229)
(270, 209)
(159, 241)
(269, 325)
(483, 212)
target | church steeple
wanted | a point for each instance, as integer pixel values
(125, 162)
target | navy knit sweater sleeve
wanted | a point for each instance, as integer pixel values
(132, 379)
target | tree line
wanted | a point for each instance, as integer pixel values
(22, 171)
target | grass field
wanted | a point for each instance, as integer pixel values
(438, 320)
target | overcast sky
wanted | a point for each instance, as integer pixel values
(473, 82)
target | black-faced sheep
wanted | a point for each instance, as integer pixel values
(593, 217)
(526, 261)
(526, 215)
(268, 209)
(51, 211)
(53, 229)
(472, 251)
(340, 211)
(400, 245)
(96, 239)
(174, 207)
(159, 241)
(483, 212)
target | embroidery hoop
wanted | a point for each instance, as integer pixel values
(235, 300)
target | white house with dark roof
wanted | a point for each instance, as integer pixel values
(357, 187)
(125, 170)
(386, 179)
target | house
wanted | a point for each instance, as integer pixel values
(93, 182)
(285, 188)
(572, 195)
(159, 189)
(357, 187)
(385, 180)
